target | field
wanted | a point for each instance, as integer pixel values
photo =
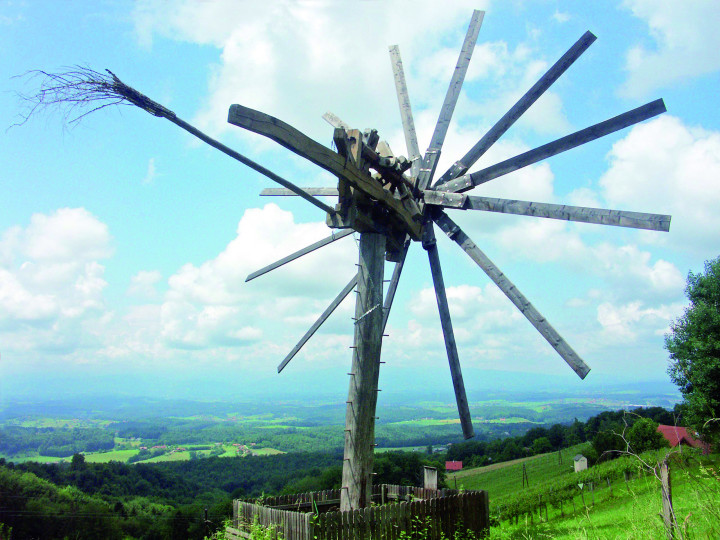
(621, 509)
(502, 479)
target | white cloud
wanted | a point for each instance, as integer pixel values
(69, 234)
(623, 323)
(687, 44)
(143, 283)
(51, 283)
(630, 270)
(509, 74)
(310, 50)
(151, 173)
(667, 167)
(561, 17)
(211, 304)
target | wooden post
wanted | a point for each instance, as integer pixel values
(667, 498)
(362, 395)
(430, 478)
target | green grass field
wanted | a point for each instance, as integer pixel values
(628, 510)
(419, 449)
(107, 457)
(501, 479)
(265, 452)
(623, 510)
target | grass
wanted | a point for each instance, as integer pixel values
(419, 449)
(502, 479)
(107, 457)
(630, 510)
(265, 452)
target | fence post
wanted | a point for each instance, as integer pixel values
(666, 498)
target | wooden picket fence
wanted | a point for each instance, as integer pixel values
(417, 511)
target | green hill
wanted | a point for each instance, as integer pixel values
(502, 480)
(599, 502)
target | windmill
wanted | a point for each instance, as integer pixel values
(393, 201)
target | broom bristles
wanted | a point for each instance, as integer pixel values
(80, 91)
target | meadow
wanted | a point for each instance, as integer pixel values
(607, 507)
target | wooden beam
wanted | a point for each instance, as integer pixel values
(555, 340)
(249, 162)
(430, 245)
(296, 255)
(315, 191)
(469, 181)
(448, 107)
(393, 285)
(334, 120)
(581, 214)
(406, 116)
(362, 394)
(318, 323)
(405, 209)
(523, 104)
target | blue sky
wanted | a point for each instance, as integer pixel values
(124, 243)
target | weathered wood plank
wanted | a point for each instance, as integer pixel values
(362, 393)
(430, 244)
(469, 181)
(232, 533)
(335, 121)
(448, 107)
(315, 191)
(304, 251)
(461, 166)
(393, 284)
(580, 214)
(555, 340)
(289, 137)
(318, 323)
(406, 116)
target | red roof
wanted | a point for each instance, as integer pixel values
(453, 465)
(679, 435)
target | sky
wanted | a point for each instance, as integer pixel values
(125, 243)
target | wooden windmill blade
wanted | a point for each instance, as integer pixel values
(319, 322)
(469, 181)
(432, 155)
(456, 234)
(296, 255)
(430, 246)
(393, 284)
(314, 191)
(461, 166)
(411, 142)
(428, 241)
(413, 151)
(580, 214)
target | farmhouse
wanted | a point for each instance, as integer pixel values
(580, 462)
(676, 435)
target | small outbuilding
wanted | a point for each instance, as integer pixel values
(452, 466)
(676, 435)
(580, 462)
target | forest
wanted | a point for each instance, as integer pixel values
(169, 500)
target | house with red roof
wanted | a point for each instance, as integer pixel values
(676, 435)
(452, 466)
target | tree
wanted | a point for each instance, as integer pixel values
(643, 435)
(541, 445)
(694, 347)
